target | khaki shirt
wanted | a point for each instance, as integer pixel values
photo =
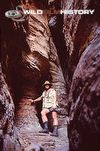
(49, 98)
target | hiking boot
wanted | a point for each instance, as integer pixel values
(55, 131)
(45, 129)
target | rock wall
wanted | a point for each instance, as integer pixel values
(79, 29)
(32, 56)
(84, 130)
(82, 35)
(29, 57)
(8, 135)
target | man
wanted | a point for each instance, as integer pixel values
(49, 104)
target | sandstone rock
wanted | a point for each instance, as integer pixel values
(82, 35)
(30, 58)
(33, 147)
(8, 136)
(84, 130)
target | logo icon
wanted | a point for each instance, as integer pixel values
(16, 15)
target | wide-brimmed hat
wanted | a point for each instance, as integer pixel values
(46, 83)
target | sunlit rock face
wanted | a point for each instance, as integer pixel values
(71, 22)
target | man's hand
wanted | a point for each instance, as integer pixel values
(32, 101)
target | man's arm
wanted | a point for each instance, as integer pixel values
(38, 99)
